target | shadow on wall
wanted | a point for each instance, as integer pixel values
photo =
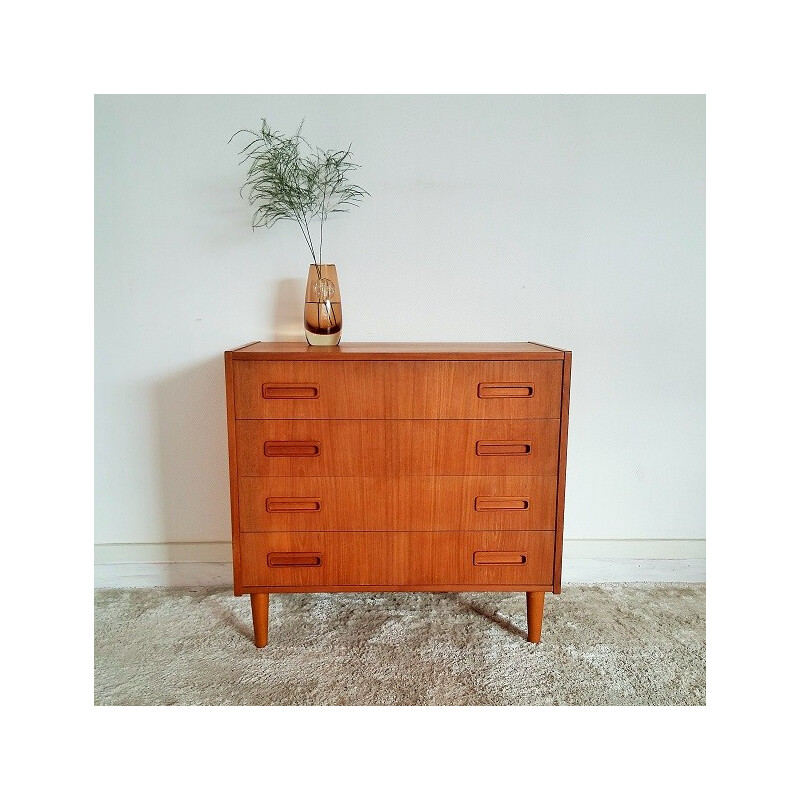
(193, 453)
(190, 419)
(288, 310)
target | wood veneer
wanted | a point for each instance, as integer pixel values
(411, 351)
(397, 558)
(439, 503)
(341, 448)
(397, 389)
(385, 467)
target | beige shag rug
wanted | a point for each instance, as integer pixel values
(602, 644)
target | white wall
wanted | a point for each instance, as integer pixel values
(576, 221)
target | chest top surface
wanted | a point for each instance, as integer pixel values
(395, 351)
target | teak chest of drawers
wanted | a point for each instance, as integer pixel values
(388, 467)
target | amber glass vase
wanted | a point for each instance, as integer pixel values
(323, 312)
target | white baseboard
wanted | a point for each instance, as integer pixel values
(176, 574)
(188, 564)
(632, 570)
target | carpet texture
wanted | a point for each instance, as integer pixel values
(602, 644)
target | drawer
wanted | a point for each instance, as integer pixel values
(404, 503)
(334, 448)
(397, 390)
(397, 558)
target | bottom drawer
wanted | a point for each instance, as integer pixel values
(392, 558)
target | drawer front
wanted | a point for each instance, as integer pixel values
(341, 448)
(397, 390)
(386, 504)
(397, 558)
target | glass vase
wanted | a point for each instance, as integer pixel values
(323, 308)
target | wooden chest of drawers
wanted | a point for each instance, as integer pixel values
(382, 467)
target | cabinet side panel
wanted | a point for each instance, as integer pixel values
(234, 478)
(562, 470)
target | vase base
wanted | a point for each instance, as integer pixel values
(317, 339)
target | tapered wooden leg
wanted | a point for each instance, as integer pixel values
(535, 612)
(260, 604)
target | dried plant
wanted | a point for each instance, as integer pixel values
(289, 179)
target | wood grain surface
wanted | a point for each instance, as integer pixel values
(562, 471)
(377, 351)
(395, 390)
(372, 467)
(399, 558)
(340, 448)
(403, 503)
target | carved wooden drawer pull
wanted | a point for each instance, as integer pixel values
(503, 448)
(290, 391)
(488, 390)
(294, 560)
(510, 559)
(291, 449)
(502, 504)
(293, 504)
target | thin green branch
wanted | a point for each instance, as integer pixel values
(285, 183)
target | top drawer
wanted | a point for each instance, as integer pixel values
(397, 389)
